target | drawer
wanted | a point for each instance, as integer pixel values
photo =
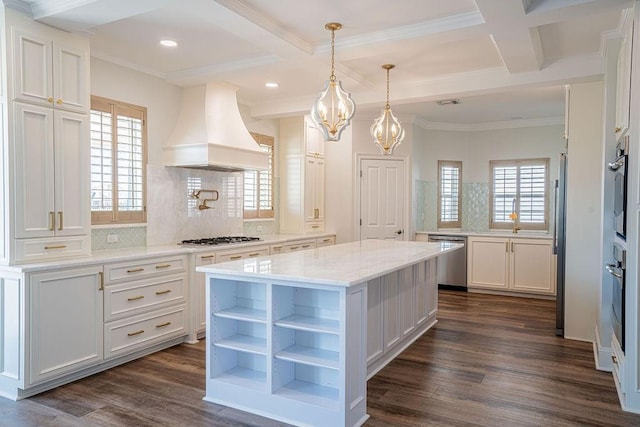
(276, 249)
(299, 246)
(241, 254)
(128, 299)
(28, 250)
(139, 332)
(144, 268)
(205, 258)
(314, 227)
(326, 241)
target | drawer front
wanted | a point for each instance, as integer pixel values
(233, 256)
(55, 248)
(128, 299)
(314, 227)
(276, 249)
(145, 268)
(139, 332)
(326, 241)
(205, 259)
(300, 246)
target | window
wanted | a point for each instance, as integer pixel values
(118, 160)
(258, 185)
(519, 186)
(449, 200)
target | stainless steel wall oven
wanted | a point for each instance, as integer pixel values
(617, 270)
(619, 167)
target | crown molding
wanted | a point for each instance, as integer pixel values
(178, 77)
(127, 64)
(19, 5)
(474, 127)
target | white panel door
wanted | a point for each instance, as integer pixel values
(32, 69)
(70, 85)
(33, 170)
(314, 188)
(71, 136)
(382, 199)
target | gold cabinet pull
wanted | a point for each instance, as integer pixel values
(315, 226)
(100, 281)
(207, 256)
(50, 100)
(326, 240)
(254, 254)
(236, 257)
(293, 248)
(163, 292)
(163, 266)
(135, 298)
(277, 248)
(59, 102)
(52, 220)
(60, 218)
(614, 359)
(617, 129)
(162, 325)
(56, 247)
(131, 334)
(135, 270)
(305, 246)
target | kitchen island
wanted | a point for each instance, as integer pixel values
(295, 336)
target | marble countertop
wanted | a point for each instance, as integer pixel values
(140, 252)
(345, 264)
(498, 233)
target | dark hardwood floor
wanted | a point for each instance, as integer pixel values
(490, 361)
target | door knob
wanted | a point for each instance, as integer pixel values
(399, 232)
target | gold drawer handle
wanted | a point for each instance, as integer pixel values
(61, 218)
(614, 359)
(131, 334)
(254, 254)
(315, 226)
(52, 220)
(163, 292)
(56, 247)
(236, 257)
(162, 325)
(135, 270)
(326, 240)
(135, 298)
(207, 256)
(275, 248)
(163, 266)
(293, 248)
(305, 246)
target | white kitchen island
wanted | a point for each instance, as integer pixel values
(295, 336)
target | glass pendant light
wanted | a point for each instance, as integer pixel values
(386, 130)
(333, 110)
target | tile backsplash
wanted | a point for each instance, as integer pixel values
(475, 206)
(128, 237)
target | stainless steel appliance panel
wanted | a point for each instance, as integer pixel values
(619, 167)
(617, 271)
(452, 267)
(559, 240)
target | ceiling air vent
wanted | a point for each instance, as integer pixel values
(448, 102)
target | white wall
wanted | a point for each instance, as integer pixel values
(584, 210)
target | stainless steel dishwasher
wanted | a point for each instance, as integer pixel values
(452, 267)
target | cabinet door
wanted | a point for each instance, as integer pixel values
(422, 292)
(34, 171)
(407, 299)
(70, 85)
(432, 286)
(319, 189)
(623, 84)
(314, 142)
(314, 189)
(200, 291)
(392, 311)
(375, 344)
(488, 262)
(65, 322)
(71, 143)
(32, 68)
(532, 266)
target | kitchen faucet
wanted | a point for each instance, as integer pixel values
(514, 216)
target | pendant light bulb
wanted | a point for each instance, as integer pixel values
(386, 130)
(333, 110)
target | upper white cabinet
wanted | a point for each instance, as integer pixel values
(623, 88)
(302, 172)
(511, 264)
(50, 71)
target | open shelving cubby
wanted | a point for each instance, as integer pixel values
(306, 345)
(239, 333)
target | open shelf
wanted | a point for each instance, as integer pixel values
(310, 356)
(246, 314)
(314, 394)
(244, 377)
(310, 323)
(246, 343)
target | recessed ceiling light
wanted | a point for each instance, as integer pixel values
(169, 43)
(271, 84)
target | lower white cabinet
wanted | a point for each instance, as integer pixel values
(65, 322)
(241, 253)
(198, 301)
(523, 265)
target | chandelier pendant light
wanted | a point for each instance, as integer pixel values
(386, 130)
(333, 110)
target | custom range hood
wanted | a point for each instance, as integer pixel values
(210, 133)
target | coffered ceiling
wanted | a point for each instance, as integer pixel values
(505, 60)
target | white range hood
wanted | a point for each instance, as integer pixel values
(210, 133)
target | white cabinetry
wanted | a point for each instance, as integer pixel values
(623, 82)
(65, 322)
(513, 265)
(302, 170)
(198, 300)
(241, 253)
(145, 304)
(48, 142)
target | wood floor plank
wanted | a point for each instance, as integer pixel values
(489, 361)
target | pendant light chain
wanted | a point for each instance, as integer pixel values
(333, 68)
(388, 106)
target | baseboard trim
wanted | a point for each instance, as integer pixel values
(602, 355)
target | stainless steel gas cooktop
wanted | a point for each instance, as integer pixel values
(224, 240)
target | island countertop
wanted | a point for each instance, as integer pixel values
(346, 264)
